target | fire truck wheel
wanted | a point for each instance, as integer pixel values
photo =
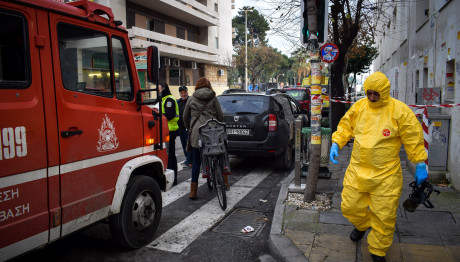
(140, 213)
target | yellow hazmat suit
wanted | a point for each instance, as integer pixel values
(373, 180)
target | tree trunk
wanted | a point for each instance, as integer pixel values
(337, 110)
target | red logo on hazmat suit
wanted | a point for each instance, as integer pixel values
(386, 132)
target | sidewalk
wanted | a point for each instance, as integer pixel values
(314, 235)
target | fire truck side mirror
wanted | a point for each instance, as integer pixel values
(153, 64)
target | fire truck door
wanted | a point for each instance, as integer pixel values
(99, 125)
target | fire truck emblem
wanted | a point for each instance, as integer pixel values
(107, 138)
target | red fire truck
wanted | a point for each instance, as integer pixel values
(78, 144)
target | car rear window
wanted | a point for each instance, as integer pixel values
(243, 104)
(298, 95)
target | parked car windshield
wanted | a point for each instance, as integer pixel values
(299, 95)
(242, 104)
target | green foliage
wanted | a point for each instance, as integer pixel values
(361, 56)
(263, 62)
(257, 28)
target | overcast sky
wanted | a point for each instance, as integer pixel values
(274, 41)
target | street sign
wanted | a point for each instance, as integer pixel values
(329, 53)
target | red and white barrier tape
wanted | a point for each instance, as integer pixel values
(340, 101)
(426, 132)
(443, 105)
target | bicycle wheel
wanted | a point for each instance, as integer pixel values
(210, 182)
(209, 179)
(219, 184)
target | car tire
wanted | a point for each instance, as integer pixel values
(284, 161)
(140, 213)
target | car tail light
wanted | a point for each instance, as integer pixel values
(272, 123)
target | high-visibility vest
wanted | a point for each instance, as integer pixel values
(172, 124)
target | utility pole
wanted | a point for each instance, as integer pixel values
(315, 140)
(246, 46)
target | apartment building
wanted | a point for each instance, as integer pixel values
(194, 37)
(419, 51)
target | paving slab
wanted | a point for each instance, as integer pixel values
(335, 229)
(332, 248)
(303, 240)
(424, 253)
(333, 218)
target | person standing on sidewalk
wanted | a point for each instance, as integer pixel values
(170, 110)
(373, 181)
(202, 105)
(183, 134)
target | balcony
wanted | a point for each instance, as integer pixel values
(190, 11)
(171, 46)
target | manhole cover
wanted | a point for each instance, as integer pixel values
(239, 219)
(430, 217)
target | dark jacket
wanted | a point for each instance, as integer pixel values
(170, 105)
(181, 103)
(193, 107)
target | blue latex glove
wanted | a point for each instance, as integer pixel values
(420, 173)
(334, 153)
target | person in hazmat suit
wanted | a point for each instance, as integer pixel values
(373, 180)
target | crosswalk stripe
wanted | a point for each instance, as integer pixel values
(179, 191)
(182, 234)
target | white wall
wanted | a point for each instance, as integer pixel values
(118, 8)
(424, 43)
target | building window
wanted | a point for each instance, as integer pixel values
(217, 42)
(130, 19)
(191, 36)
(216, 7)
(156, 26)
(180, 33)
(203, 2)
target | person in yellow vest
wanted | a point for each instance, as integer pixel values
(170, 110)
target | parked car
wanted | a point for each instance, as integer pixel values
(302, 95)
(234, 90)
(274, 91)
(260, 124)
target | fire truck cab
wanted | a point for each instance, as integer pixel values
(77, 143)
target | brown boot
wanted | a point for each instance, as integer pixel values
(193, 189)
(227, 185)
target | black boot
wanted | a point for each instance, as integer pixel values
(356, 235)
(376, 258)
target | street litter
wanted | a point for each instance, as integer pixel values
(263, 200)
(247, 229)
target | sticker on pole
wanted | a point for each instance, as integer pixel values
(329, 53)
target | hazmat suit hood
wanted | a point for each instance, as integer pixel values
(380, 83)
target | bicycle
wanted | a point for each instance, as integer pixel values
(214, 158)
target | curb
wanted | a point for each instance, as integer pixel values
(280, 246)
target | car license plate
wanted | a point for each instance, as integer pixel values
(233, 131)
